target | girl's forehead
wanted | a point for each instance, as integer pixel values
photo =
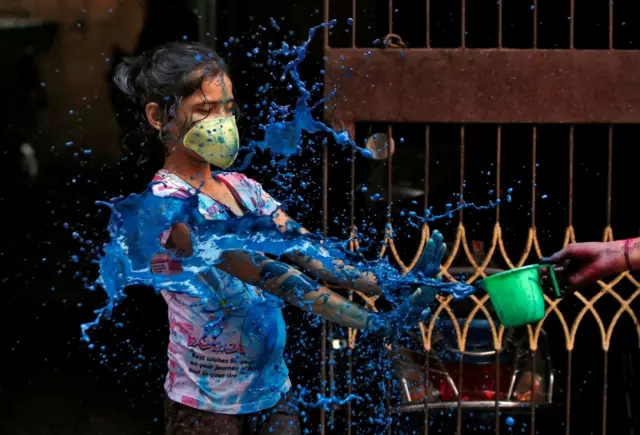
(217, 87)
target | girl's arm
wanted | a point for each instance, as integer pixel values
(347, 276)
(291, 285)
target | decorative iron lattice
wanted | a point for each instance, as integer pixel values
(501, 86)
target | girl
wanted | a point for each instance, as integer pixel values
(231, 379)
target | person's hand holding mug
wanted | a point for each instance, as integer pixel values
(586, 263)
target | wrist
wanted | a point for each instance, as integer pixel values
(630, 253)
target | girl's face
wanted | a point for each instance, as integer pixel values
(214, 99)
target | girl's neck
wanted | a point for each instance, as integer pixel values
(188, 167)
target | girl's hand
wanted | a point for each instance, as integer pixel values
(588, 262)
(415, 309)
(429, 263)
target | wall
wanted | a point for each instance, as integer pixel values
(75, 70)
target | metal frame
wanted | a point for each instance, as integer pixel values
(487, 85)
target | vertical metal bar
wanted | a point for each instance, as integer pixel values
(326, 20)
(389, 208)
(463, 20)
(427, 162)
(352, 217)
(389, 171)
(426, 392)
(461, 169)
(459, 408)
(605, 391)
(609, 173)
(535, 23)
(497, 410)
(532, 403)
(572, 16)
(332, 378)
(349, 390)
(325, 207)
(534, 170)
(390, 24)
(353, 23)
(498, 167)
(567, 415)
(610, 24)
(323, 344)
(388, 387)
(499, 23)
(571, 162)
(428, 27)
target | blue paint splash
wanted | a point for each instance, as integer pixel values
(138, 220)
(283, 138)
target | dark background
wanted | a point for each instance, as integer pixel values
(52, 383)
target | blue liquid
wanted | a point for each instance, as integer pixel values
(138, 220)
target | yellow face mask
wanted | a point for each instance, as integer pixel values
(216, 140)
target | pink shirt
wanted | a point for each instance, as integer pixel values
(238, 366)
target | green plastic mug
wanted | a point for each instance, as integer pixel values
(517, 295)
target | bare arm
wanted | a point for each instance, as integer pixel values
(588, 262)
(342, 275)
(286, 282)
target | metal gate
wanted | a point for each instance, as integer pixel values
(464, 87)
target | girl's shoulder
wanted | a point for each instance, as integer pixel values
(165, 184)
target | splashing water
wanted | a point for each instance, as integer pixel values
(283, 138)
(138, 220)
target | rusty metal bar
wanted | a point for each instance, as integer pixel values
(389, 171)
(323, 345)
(568, 401)
(497, 387)
(485, 85)
(571, 164)
(427, 161)
(352, 217)
(426, 392)
(609, 172)
(499, 23)
(353, 30)
(534, 167)
(326, 20)
(605, 390)
(463, 24)
(535, 24)
(498, 168)
(461, 170)
(428, 26)
(389, 207)
(332, 377)
(610, 24)
(532, 403)
(349, 390)
(572, 16)
(459, 413)
(388, 387)
(390, 24)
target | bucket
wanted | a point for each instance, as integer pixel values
(517, 295)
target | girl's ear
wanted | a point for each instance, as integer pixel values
(154, 115)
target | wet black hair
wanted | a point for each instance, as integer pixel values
(164, 76)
